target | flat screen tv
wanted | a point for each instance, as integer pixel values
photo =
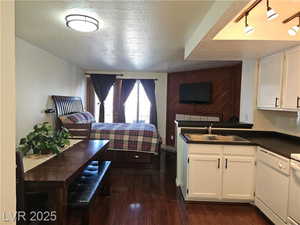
(195, 93)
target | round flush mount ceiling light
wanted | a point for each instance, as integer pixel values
(82, 23)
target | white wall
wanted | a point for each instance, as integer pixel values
(161, 94)
(7, 110)
(248, 91)
(285, 122)
(39, 75)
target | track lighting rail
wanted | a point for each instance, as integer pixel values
(291, 17)
(246, 11)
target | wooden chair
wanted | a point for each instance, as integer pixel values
(20, 185)
(79, 130)
(37, 200)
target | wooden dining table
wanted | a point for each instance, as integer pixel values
(55, 175)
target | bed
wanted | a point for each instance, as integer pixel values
(135, 144)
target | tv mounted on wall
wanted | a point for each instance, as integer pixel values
(196, 93)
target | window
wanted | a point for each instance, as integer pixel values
(108, 106)
(137, 106)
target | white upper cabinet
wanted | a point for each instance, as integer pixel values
(270, 81)
(291, 82)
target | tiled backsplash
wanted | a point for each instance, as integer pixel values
(197, 118)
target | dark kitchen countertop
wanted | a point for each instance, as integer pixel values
(188, 123)
(279, 143)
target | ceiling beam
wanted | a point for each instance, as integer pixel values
(246, 11)
(291, 17)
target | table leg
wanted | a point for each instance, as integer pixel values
(58, 202)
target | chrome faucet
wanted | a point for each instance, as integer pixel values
(209, 129)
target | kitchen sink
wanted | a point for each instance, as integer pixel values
(214, 138)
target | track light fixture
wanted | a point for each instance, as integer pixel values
(248, 29)
(271, 13)
(295, 29)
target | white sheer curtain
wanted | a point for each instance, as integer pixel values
(137, 106)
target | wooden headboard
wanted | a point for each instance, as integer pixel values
(65, 105)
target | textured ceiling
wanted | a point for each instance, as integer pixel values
(136, 35)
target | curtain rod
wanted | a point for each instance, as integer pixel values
(118, 75)
(139, 78)
(121, 75)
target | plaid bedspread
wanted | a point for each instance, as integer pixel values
(139, 137)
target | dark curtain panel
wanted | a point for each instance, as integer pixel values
(90, 96)
(102, 84)
(116, 101)
(126, 87)
(149, 86)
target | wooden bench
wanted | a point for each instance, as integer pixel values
(82, 192)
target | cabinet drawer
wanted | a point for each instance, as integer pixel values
(139, 157)
(205, 149)
(239, 150)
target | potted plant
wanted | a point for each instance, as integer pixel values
(44, 140)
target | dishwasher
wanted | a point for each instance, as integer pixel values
(272, 185)
(294, 199)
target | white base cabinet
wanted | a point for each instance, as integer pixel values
(204, 179)
(218, 173)
(237, 173)
(238, 177)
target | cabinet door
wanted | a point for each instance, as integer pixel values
(291, 83)
(238, 177)
(270, 81)
(204, 176)
(184, 172)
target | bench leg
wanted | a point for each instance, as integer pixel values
(106, 191)
(162, 161)
(107, 184)
(86, 217)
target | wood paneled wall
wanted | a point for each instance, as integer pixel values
(226, 85)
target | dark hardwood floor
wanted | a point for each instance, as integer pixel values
(148, 197)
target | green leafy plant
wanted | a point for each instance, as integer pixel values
(43, 140)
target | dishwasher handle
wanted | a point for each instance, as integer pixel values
(295, 166)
